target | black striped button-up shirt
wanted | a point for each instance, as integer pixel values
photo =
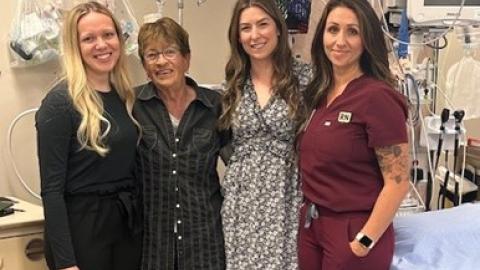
(181, 189)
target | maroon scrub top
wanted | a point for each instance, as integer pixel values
(338, 165)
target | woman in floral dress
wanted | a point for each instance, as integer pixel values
(262, 106)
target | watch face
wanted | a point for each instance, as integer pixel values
(365, 241)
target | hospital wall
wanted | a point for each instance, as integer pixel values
(23, 89)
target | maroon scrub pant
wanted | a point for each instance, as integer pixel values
(324, 245)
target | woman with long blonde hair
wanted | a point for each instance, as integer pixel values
(86, 146)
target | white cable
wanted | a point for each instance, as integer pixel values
(430, 162)
(445, 96)
(462, 175)
(431, 113)
(422, 203)
(10, 152)
(129, 9)
(414, 156)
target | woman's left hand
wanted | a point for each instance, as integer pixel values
(358, 249)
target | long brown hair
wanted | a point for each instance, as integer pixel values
(373, 61)
(238, 65)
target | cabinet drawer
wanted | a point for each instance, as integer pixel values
(22, 253)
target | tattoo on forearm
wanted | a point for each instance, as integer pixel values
(393, 162)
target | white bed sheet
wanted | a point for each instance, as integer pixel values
(447, 239)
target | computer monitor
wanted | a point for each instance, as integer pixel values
(438, 12)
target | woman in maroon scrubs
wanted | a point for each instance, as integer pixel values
(354, 148)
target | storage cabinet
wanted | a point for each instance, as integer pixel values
(21, 238)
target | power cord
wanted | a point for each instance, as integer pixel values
(10, 152)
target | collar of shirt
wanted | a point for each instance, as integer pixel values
(149, 91)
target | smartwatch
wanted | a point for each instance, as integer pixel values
(364, 240)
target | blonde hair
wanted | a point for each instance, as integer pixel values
(85, 99)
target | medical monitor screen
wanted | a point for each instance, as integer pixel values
(442, 12)
(451, 2)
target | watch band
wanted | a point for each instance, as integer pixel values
(364, 240)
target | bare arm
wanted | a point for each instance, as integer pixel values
(394, 164)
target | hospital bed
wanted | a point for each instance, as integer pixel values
(447, 239)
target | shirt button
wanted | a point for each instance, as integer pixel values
(179, 222)
(174, 155)
(178, 205)
(179, 237)
(174, 172)
(176, 188)
(177, 139)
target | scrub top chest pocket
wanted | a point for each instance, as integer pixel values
(339, 137)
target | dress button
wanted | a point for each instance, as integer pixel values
(176, 188)
(179, 222)
(174, 155)
(177, 139)
(174, 172)
(178, 205)
(179, 237)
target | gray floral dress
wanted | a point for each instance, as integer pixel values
(261, 187)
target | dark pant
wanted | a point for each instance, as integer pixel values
(101, 237)
(325, 244)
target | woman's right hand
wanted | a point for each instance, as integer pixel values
(71, 268)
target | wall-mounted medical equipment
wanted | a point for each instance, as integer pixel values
(34, 34)
(426, 24)
(35, 31)
(435, 133)
(441, 12)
